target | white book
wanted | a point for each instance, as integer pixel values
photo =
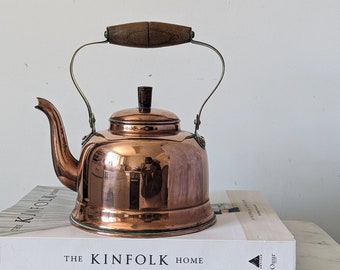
(248, 235)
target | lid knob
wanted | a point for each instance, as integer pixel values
(144, 99)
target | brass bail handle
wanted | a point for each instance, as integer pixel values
(146, 35)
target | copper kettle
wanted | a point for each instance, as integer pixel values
(143, 176)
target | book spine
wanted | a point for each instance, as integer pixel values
(109, 253)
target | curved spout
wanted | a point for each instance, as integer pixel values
(65, 165)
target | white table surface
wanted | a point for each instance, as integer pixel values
(316, 250)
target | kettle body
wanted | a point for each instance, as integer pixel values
(143, 186)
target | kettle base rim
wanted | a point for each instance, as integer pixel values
(143, 234)
(143, 223)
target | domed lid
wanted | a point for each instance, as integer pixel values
(144, 121)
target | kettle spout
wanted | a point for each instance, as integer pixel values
(65, 165)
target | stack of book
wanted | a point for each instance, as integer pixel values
(36, 234)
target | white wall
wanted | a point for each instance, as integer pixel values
(273, 125)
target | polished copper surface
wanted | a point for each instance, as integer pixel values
(155, 123)
(133, 184)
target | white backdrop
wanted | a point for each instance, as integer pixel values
(272, 126)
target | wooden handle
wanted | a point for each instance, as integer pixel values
(149, 34)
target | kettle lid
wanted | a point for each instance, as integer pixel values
(144, 120)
